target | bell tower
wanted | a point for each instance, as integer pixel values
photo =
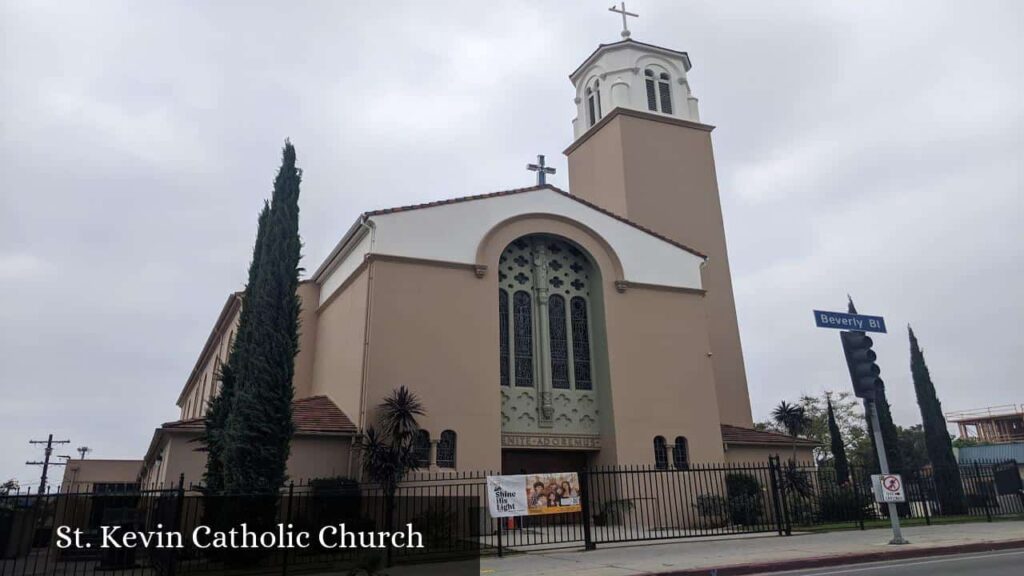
(641, 151)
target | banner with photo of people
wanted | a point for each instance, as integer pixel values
(533, 494)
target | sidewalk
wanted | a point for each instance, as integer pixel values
(748, 555)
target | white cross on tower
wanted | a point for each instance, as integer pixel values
(541, 170)
(622, 10)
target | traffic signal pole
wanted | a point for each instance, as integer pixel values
(883, 464)
(864, 374)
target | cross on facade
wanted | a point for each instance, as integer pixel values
(621, 9)
(541, 170)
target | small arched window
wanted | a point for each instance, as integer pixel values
(660, 453)
(659, 91)
(665, 93)
(594, 102)
(652, 94)
(522, 316)
(446, 450)
(681, 454)
(421, 448)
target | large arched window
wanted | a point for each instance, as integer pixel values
(546, 317)
(446, 450)
(681, 454)
(421, 448)
(660, 453)
(659, 91)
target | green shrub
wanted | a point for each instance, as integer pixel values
(745, 498)
(843, 504)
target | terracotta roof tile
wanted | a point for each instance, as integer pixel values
(316, 414)
(738, 435)
(533, 189)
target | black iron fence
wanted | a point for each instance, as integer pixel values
(619, 504)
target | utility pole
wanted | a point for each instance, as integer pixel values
(46, 460)
(83, 450)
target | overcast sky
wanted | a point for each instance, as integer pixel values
(873, 148)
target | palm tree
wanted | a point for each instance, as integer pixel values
(792, 419)
(389, 450)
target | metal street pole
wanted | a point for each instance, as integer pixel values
(883, 462)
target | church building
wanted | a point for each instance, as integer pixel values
(549, 330)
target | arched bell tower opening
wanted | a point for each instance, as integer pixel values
(550, 340)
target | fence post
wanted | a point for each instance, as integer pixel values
(501, 552)
(856, 497)
(773, 476)
(588, 541)
(180, 492)
(288, 519)
(983, 489)
(925, 500)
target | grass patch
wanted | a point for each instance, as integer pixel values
(884, 522)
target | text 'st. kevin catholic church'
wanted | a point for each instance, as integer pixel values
(545, 330)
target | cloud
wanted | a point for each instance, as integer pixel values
(21, 267)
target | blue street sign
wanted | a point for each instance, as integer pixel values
(856, 322)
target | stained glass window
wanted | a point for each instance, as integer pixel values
(522, 315)
(446, 450)
(559, 342)
(581, 344)
(681, 454)
(660, 453)
(421, 448)
(503, 335)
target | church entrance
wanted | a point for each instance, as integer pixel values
(540, 461)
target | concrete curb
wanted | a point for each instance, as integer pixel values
(857, 558)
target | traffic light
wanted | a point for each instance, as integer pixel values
(860, 358)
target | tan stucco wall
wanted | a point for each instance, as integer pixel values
(662, 175)
(302, 381)
(338, 349)
(434, 329)
(320, 457)
(311, 457)
(754, 454)
(80, 475)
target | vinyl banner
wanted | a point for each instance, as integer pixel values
(533, 494)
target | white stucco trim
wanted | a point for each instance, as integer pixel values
(452, 232)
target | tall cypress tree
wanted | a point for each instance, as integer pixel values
(258, 428)
(839, 461)
(220, 404)
(945, 468)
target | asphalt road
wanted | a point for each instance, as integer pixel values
(980, 564)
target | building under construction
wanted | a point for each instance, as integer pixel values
(995, 424)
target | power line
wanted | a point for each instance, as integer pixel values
(48, 452)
